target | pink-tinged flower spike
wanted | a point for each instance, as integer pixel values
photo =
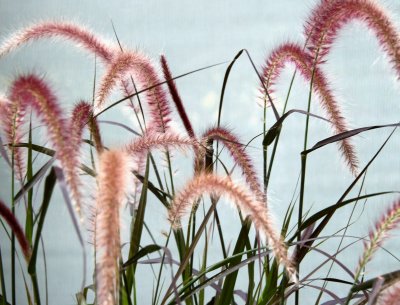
(152, 140)
(245, 201)
(240, 156)
(329, 17)
(82, 115)
(112, 181)
(31, 91)
(138, 65)
(64, 30)
(390, 296)
(11, 120)
(293, 53)
(17, 229)
(176, 97)
(389, 221)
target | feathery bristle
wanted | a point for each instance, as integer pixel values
(389, 221)
(112, 184)
(11, 120)
(176, 97)
(293, 53)
(240, 156)
(154, 140)
(329, 17)
(66, 30)
(246, 202)
(143, 71)
(390, 295)
(82, 115)
(17, 229)
(31, 91)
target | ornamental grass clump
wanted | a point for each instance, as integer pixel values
(175, 236)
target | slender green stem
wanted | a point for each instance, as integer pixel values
(12, 232)
(3, 284)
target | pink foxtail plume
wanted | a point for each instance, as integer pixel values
(32, 91)
(112, 184)
(245, 201)
(240, 156)
(176, 97)
(11, 120)
(390, 295)
(82, 115)
(388, 222)
(328, 18)
(142, 70)
(293, 53)
(64, 30)
(152, 140)
(16, 228)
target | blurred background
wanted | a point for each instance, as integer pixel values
(192, 35)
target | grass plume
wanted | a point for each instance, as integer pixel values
(67, 31)
(330, 16)
(389, 221)
(173, 90)
(32, 91)
(112, 183)
(293, 53)
(239, 155)
(245, 201)
(142, 70)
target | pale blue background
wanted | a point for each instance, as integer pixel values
(193, 34)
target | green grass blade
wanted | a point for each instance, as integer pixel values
(226, 295)
(29, 174)
(137, 229)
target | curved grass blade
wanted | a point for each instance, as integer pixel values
(142, 252)
(137, 230)
(47, 193)
(273, 132)
(227, 72)
(345, 135)
(225, 297)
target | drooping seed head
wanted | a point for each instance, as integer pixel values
(206, 183)
(67, 31)
(330, 16)
(143, 72)
(294, 54)
(31, 91)
(240, 156)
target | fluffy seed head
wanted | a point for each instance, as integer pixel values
(293, 53)
(246, 202)
(389, 221)
(112, 178)
(328, 18)
(173, 90)
(31, 91)
(11, 120)
(82, 115)
(240, 156)
(142, 70)
(64, 30)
